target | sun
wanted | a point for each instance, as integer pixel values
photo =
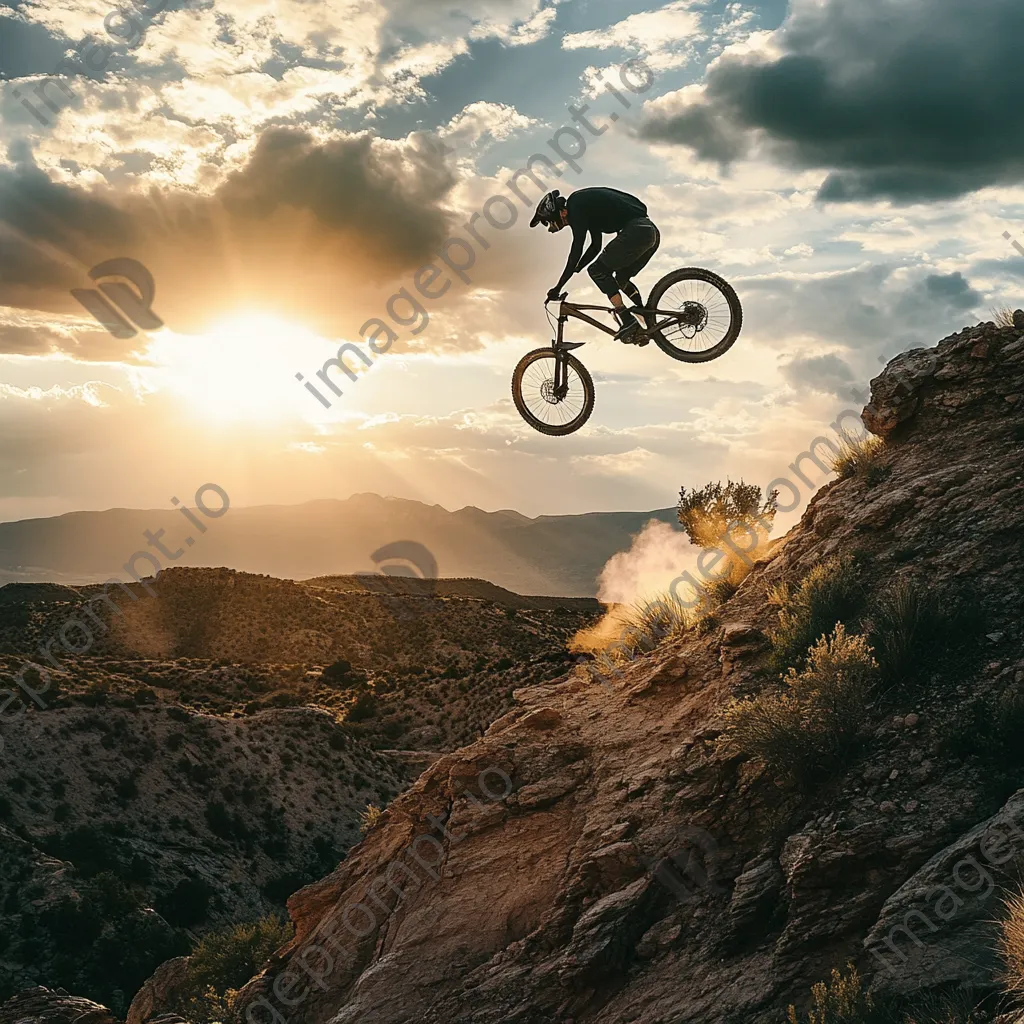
(243, 368)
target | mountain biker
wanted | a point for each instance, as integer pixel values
(600, 211)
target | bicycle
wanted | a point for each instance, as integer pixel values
(560, 398)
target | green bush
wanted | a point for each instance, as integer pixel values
(990, 728)
(222, 962)
(337, 672)
(827, 595)
(279, 887)
(810, 728)
(105, 943)
(187, 904)
(86, 847)
(912, 628)
(365, 707)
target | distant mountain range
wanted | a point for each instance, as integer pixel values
(547, 555)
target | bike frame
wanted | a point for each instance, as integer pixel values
(576, 311)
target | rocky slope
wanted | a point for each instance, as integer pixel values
(598, 857)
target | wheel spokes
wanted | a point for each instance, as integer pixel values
(708, 315)
(538, 393)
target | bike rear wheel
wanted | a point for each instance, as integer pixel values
(712, 315)
(533, 391)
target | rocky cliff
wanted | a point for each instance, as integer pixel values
(601, 856)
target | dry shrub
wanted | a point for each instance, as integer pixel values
(369, 818)
(807, 730)
(841, 1001)
(859, 456)
(828, 594)
(1011, 944)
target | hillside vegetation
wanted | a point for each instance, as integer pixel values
(222, 743)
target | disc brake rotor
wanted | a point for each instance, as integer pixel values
(547, 391)
(693, 317)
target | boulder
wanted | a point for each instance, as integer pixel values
(159, 992)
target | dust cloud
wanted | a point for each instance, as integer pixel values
(659, 553)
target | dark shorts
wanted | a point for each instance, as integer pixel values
(626, 255)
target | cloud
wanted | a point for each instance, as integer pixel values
(666, 37)
(498, 120)
(827, 374)
(384, 195)
(868, 310)
(952, 290)
(354, 208)
(32, 334)
(903, 99)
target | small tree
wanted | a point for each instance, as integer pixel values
(708, 513)
(733, 518)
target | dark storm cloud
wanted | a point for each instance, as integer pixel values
(385, 195)
(827, 374)
(906, 99)
(357, 208)
(868, 310)
(953, 290)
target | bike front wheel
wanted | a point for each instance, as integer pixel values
(533, 391)
(708, 311)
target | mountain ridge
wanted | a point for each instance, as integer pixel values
(550, 555)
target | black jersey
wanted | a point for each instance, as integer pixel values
(596, 211)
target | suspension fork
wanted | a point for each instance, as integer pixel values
(561, 385)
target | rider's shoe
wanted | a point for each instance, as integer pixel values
(631, 333)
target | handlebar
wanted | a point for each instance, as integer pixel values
(561, 298)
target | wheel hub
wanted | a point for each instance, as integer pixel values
(547, 391)
(693, 317)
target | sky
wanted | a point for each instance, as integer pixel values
(285, 168)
